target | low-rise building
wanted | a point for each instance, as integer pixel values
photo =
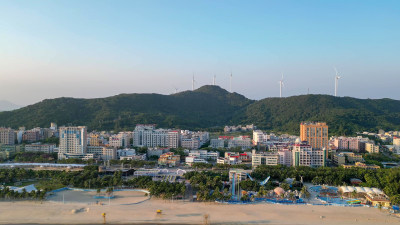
(361, 165)
(377, 200)
(396, 143)
(217, 143)
(133, 157)
(169, 159)
(190, 143)
(156, 151)
(347, 157)
(230, 160)
(371, 148)
(125, 152)
(189, 160)
(204, 154)
(242, 141)
(264, 158)
(38, 147)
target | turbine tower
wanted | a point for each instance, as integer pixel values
(230, 83)
(281, 86)
(176, 90)
(215, 77)
(193, 81)
(337, 77)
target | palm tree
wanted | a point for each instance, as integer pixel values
(291, 196)
(354, 194)
(109, 191)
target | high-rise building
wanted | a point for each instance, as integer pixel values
(7, 136)
(73, 142)
(173, 139)
(315, 133)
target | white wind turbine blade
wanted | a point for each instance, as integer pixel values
(337, 73)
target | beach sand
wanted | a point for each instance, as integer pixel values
(178, 212)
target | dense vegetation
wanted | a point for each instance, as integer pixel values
(208, 185)
(386, 179)
(159, 189)
(88, 178)
(210, 107)
(206, 107)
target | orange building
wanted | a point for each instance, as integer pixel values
(315, 133)
(169, 159)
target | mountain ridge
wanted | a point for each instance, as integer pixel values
(209, 107)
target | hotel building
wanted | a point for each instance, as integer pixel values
(315, 133)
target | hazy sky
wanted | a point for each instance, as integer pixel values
(89, 49)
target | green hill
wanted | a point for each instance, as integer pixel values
(210, 107)
(344, 115)
(205, 107)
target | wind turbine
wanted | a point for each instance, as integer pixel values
(230, 83)
(215, 77)
(337, 77)
(176, 90)
(193, 81)
(281, 86)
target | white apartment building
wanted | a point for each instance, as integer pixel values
(148, 136)
(204, 154)
(285, 157)
(305, 155)
(73, 142)
(217, 143)
(264, 158)
(230, 160)
(7, 136)
(189, 160)
(46, 148)
(259, 137)
(242, 142)
(190, 143)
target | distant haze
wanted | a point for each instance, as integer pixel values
(97, 48)
(8, 106)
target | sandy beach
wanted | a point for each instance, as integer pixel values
(178, 212)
